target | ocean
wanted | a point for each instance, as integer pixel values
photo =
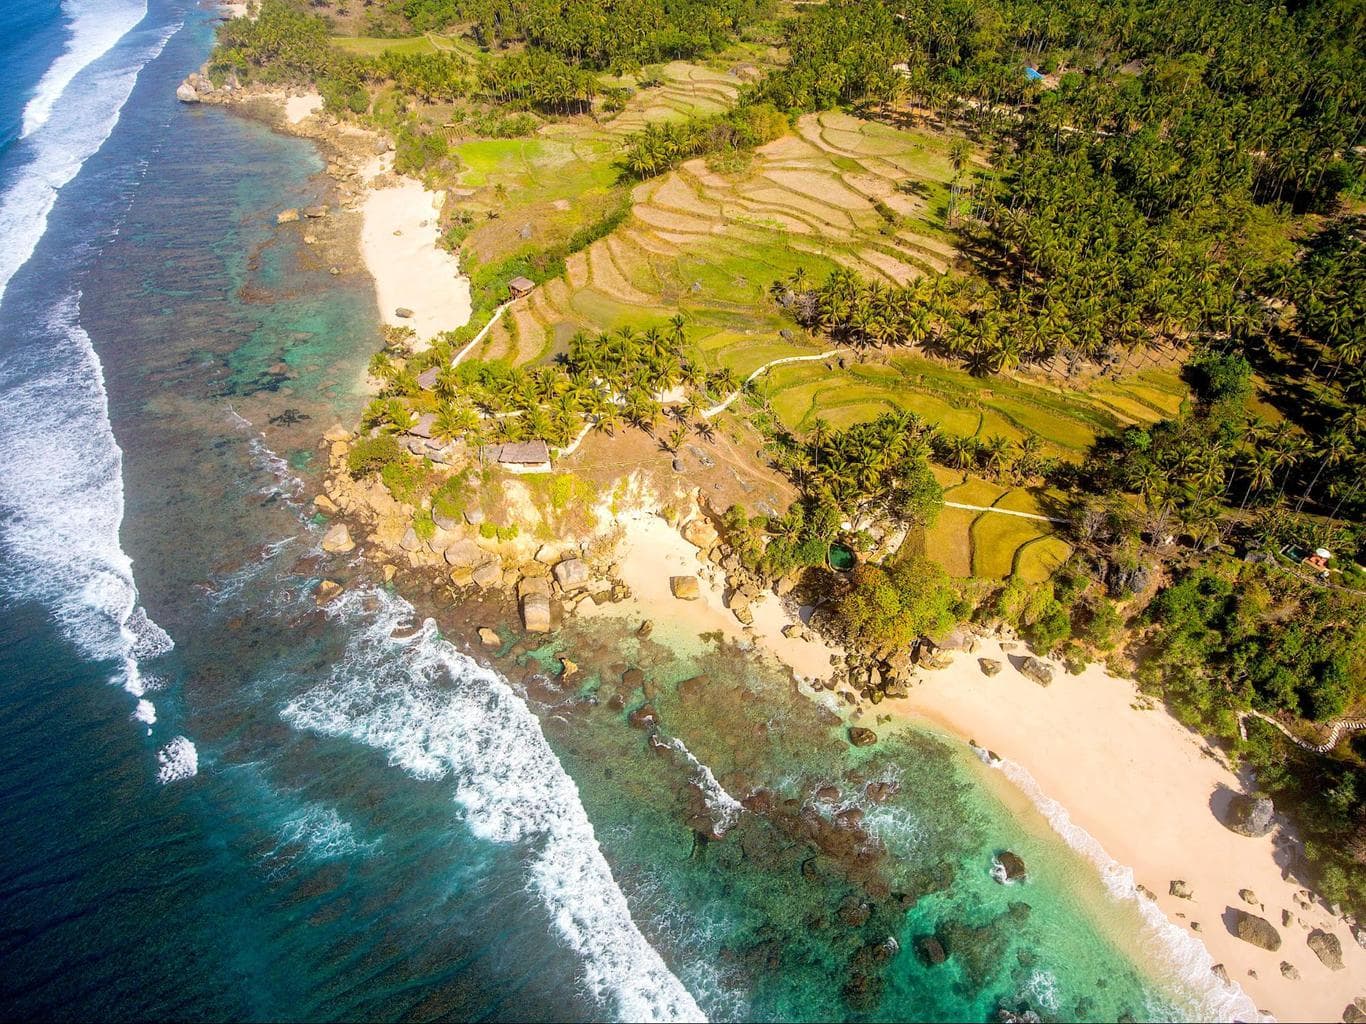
(222, 802)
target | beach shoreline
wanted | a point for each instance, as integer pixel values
(1151, 811)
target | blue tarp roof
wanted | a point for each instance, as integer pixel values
(1033, 74)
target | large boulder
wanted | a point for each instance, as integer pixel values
(488, 574)
(861, 737)
(989, 666)
(186, 93)
(489, 637)
(1180, 889)
(685, 588)
(960, 639)
(1039, 671)
(1327, 948)
(337, 540)
(1256, 930)
(1009, 867)
(465, 554)
(536, 613)
(1251, 816)
(571, 574)
(699, 532)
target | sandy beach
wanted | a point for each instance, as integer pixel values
(651, 551)
(399, 237)
(1121, 781)
(1141, 786)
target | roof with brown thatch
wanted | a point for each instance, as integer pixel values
(521, 285)
(518, 453)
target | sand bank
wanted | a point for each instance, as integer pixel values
(1144, 788)
(651, 551)
(398, 240)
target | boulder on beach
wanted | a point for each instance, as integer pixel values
(861, 737)
(402, 312)
(337, 540)
(1255, 930)
(1327, 948)
(989, 666)
(685, 588)
(1289, 970)
(536, 613)
(699, 532)
(489, 637)
(1251, 816)
(1249, 897)
(1039, 671)
(1009, 867)
(1220, 972)
(1180, 889)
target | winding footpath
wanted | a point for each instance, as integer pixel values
(1003, 511)
(1339, 727)
(716, 410)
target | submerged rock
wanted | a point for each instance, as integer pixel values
(861, 737)
(930, 950)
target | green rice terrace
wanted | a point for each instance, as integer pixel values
(709, 238)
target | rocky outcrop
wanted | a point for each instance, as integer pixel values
(989, 666)
(337, 540)
(186, 93)
(643, 717)
(700, 533)
(685, 588)
(1039, 671)
(1011, 867)
(861, 737)
(1255, 930)
(465, 554)
(1251, 816)
(288, 216)
(1180, 889)
(1327, 948)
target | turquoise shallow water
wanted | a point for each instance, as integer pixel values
(339, 816)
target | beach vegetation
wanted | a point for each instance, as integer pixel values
(372, 454)
(891, 606)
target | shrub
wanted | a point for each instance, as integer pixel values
(405, 479)
(372, 454)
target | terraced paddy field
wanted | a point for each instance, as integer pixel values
(708, 239)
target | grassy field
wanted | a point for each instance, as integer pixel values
(370, 46)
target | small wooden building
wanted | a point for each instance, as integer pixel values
(519, 287)
(518, 456)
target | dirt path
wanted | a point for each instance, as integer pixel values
(1003, 511)
(716, 410)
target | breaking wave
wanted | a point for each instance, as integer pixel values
(440, 716)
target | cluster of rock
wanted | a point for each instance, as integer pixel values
(197, 88)
(548, 579)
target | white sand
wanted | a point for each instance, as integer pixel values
(1141, 785)
(651, 551)
(299, 107)
(398, 242)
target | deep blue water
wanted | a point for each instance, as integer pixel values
(220, 802)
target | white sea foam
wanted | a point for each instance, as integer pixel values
(1185, 957)
(76, 123)
(145, 712)
(725, 809)
(439, 715)
(322, 832)
(95, 26)
(177, 760)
